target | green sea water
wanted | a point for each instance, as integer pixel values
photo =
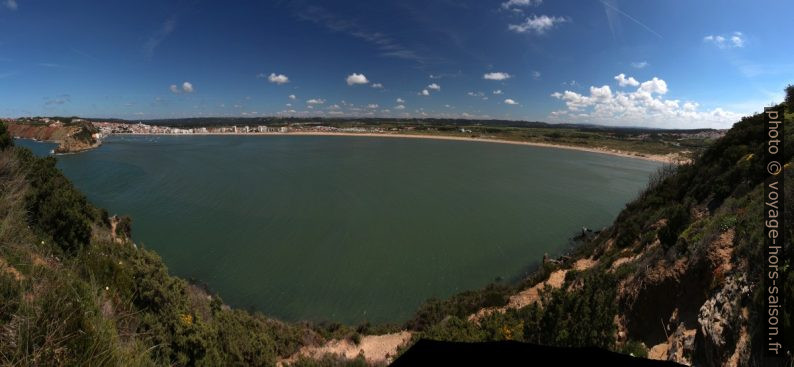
(349, 229)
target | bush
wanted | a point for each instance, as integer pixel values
(635, 348)
(5, 138)
(55, 207)
(677, 220)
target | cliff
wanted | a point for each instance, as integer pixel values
(71, 138)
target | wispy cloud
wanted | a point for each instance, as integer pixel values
(10, 4)
(611, 7)
(158, 37)
(496, 76)
(639, 64)
(386, 45)
(58, 100)
(520, 3)
(537, 24)
(49, 65)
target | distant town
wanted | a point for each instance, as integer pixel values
(110, 128)
(76, 134)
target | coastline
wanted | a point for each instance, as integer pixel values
(669, 158)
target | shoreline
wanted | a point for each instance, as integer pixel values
(669, 158)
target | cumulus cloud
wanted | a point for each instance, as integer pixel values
(639, 64)
(645, 106)
(10, 4)
(399, 107)
(424, 92)
(734, 40)
(187, 87)
(654, 85)
(277, 78)
(356, 79)
(536, 24)
(535, 74)
(498, 91)
(174, 89)
(510, 101)
(315, 101)
(623, 81)
(377, 85)
(475, 94)
(434, 86)
(372, 105)
(497, 76)
(520, 3)
(400, 100)
(292, 96)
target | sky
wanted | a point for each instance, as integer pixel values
(651, 63)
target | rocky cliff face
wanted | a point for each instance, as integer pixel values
(70, 138)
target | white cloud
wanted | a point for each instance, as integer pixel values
(639, 64)
(424, 92)
(498, 91)
(315, 101)
(535, 75)
(645, 106)
(377, 85)
(536, 24)
(11, 4)
(623, 81)
(356, 79)
(434, 86)
(399, 107)
(174, 89)
(510, 101)
(520, 3)
(373, 105)
(734, 40)
(187, 87)
(277, 78)
(400, 100)
(292, 96)
(654, 85)
(475, 94)
(497, 76)
(334, 107)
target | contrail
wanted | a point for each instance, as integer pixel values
(632, 19)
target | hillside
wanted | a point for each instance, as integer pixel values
(71, 137)
(683, 261)
(676, 277)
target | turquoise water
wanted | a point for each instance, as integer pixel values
(350, 228)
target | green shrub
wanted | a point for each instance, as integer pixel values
(677, 220)
(55, 207)
(5, 138)
(635, 348)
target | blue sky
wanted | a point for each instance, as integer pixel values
(658, 63)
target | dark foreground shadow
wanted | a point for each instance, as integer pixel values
(510, 353)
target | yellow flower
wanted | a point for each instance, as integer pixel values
(187, 319)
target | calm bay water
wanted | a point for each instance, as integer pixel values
(350, 228)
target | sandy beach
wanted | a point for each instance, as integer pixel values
(668, 158)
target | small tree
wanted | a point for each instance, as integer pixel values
(790, 97)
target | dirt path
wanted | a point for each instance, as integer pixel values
(531, 295)
(378, 349)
